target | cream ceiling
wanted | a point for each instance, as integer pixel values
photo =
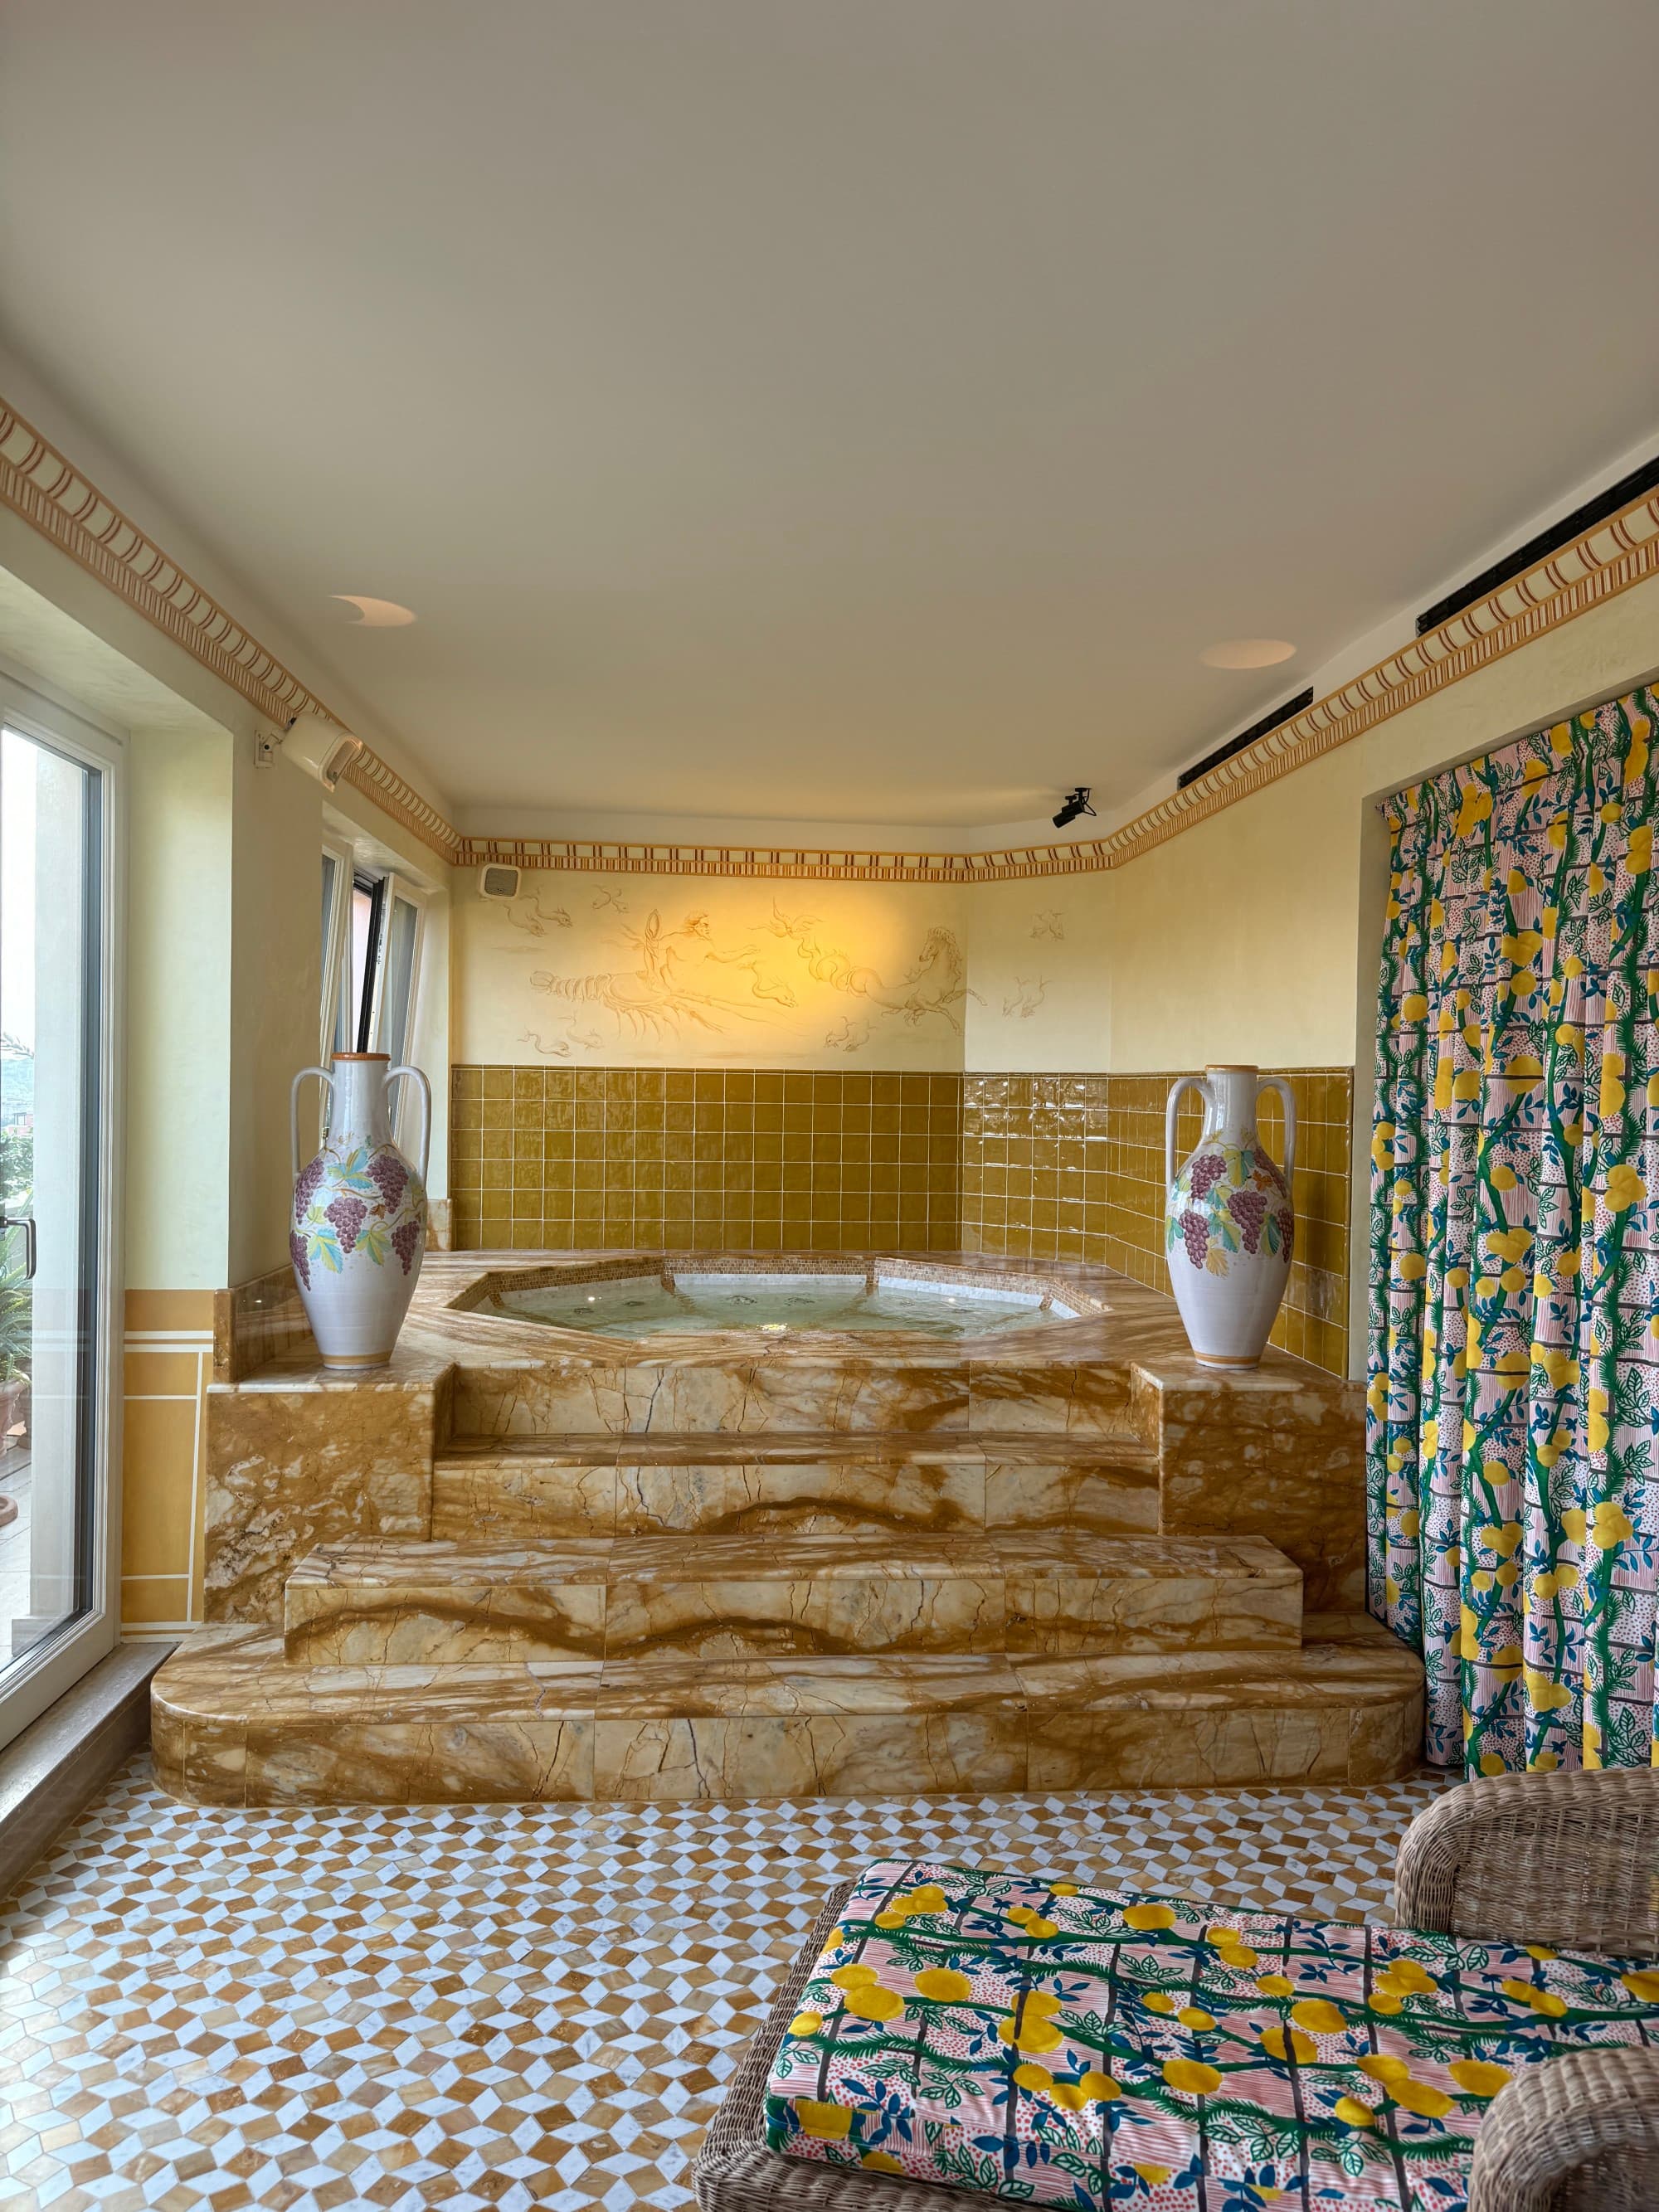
(833, 410)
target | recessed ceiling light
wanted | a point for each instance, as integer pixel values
(375, 614)
(1247, 653)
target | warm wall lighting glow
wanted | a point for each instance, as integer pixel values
(375, 614)
(1247, 653)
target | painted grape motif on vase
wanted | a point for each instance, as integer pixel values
(1237, 1202)
(366, 1201)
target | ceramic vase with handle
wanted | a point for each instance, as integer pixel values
(1229, 1222)
(359, 1212)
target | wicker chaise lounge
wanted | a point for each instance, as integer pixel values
(1566, 1861)
(1571, 1860)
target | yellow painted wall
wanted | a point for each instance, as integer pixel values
(665, 971)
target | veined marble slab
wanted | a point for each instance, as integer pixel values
(1107, 1487)
(380, 1605)
(234, 1724)
(1078, 1593)
(492, 1493)
(722, 1596)
(798, 1482)
(741, 1727)
(711, 1596)
(1330, 1712)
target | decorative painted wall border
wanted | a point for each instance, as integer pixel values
(49, 492)
(379, 781)
(846, 864)
(45, 488)
(41, 485)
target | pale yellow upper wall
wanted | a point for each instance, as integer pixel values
(1040, 975)
(591, 971)
(1249, 937)
(178, 1016)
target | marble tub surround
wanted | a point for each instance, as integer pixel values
(304, 1455)
(1106, 1399)
(616, 1570)
(747, 1727)
(1347, 1706)
(1073, 1593)
(719, 1597)
(258, 1321)
(1266, 1455)
(672, 1394)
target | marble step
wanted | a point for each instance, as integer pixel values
(933, 1389)
(700, 1597)
(503, 1489)
(235, 1724)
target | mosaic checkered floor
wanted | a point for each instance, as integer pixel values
(508, 2006)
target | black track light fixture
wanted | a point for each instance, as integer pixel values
(1077, 802)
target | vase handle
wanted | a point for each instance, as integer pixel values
(324, 1076)
(426, 1110)
(1182, 1083)
(1287, 1099)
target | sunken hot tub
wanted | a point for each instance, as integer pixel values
(682, 1295)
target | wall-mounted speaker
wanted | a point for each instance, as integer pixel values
(497, 881)
(322, 748)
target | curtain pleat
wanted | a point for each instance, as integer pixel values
(1514, 1350)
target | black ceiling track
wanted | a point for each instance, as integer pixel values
(1244, 738)
(1538, 549)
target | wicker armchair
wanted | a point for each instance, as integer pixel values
(1572, 1861)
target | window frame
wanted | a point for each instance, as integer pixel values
(368, 1007)
(399, 892)
(390, 888)
(336, 941)
(60, 1659)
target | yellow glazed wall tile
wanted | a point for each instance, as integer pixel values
(157, 1485)
(149, 1601)
(161, 1374)
(168, 1312)
(768, 1156)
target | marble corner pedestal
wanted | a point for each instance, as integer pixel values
(522, 1563)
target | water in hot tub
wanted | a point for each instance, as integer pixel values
(779, 1305)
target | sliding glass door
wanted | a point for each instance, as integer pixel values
(57, 1338)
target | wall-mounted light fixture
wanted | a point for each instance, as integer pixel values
(321, 747)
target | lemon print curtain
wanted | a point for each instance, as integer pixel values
(1514, 1279)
